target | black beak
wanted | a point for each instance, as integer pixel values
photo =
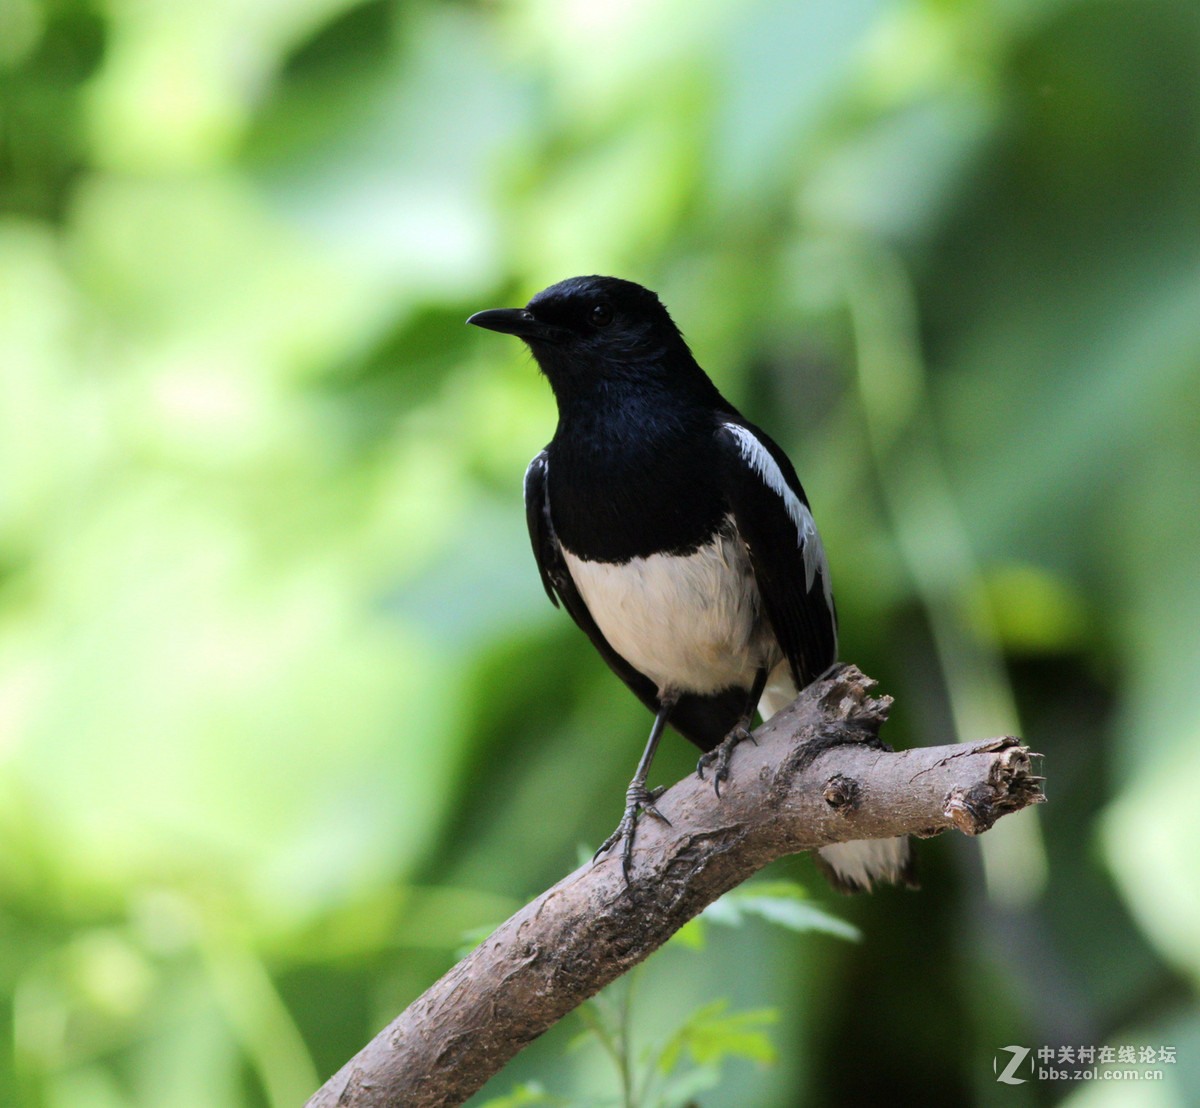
(515, 321)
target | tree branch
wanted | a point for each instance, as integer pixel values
(818, 775)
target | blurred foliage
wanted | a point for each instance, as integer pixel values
(283, 710)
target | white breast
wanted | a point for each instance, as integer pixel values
(690, 623)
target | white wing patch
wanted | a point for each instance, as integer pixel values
(807, 537)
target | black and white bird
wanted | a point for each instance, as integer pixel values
(677, 536)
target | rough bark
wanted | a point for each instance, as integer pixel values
(818, 775)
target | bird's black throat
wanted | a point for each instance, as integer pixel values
(627, 474)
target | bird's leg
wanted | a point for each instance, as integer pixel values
(719, 756)
(637, 796)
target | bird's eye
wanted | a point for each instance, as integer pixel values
(602, 315)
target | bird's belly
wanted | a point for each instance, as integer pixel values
(691, 623)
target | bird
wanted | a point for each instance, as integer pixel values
(677, 535)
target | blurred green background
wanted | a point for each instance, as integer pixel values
(284, 711)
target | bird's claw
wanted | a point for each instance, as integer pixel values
(719, 756)
(638, 799)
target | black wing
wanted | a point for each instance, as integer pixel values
(560, 586)
(772, 517)
(705, 720)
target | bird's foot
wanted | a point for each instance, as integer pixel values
(719, 756)
(638, 799)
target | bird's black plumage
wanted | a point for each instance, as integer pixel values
(675, 533)
(703, 719)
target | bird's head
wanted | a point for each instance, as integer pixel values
(595, 330)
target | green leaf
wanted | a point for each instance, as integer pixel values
(682, 1088)
(471, 938)
(691, 934)
(710, 1036)
(780, 902)
(523, 1095)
